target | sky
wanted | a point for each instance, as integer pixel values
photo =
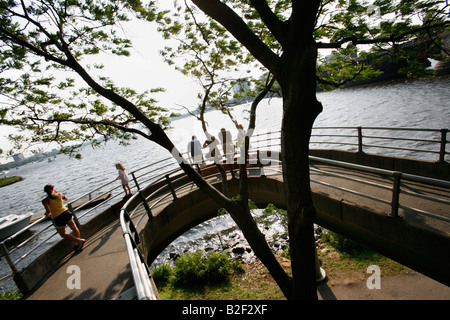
(143, 70)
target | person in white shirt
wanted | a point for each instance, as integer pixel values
(195, 152)
(124, 178)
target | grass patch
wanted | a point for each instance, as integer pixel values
(215, 276)
(9, 180)
(344, 261)
(10, 295)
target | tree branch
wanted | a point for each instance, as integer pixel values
(34, 49)
(394, 38)
(275, 25)
(338, 84)
(239, 29)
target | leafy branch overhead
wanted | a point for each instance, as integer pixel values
(52, 83)
(47, 51)
(42, 41)
(206, 52)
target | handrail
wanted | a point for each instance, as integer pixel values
(272, 139)
(78, 213)
(394, 203)
(145, 286)
(359, 137)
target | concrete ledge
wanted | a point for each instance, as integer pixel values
(418, 248)
(415, 247)
(436, 170)
(31, 276)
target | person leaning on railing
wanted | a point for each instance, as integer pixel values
(61, 216)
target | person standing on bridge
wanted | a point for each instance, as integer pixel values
(61, 217)
(195, 153)
(214, 152)
(124, 178)
(227, 145)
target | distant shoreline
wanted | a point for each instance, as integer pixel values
(9, 180)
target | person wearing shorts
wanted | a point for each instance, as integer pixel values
(61, 216)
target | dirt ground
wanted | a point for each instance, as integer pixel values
(350, 284)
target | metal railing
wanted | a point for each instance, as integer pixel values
(163, 169)
(16, 253)
(395, 188)
(146, 289)
(144, 284)
(363, 139)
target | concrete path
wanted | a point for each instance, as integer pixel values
(104, 270)
(410, 286)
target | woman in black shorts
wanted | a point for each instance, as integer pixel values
(61, 217)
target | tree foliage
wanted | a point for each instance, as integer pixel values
(52, 85)
(45, 47)
(41, 41)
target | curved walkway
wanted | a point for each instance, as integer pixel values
(105, 274)
(104, 270)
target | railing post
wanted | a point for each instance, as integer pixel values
(171, 188)
(141, 195)
(17, 276)
(131, 229)
(443, 145)
(259, 164)
(147, 208)
(4, 251)
(396, 194)
(360, 140)
(135, 181)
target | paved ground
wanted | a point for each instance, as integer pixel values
(104, 273)
(414, 286)
(103, 268)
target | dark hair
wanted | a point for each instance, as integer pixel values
(48, 189)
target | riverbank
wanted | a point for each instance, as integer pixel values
(346, 280)
(9, 180)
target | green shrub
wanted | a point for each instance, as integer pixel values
(162, 275)
(197, 269)
(10, 295)
(340, 243)
(189, 268)
(218, 267)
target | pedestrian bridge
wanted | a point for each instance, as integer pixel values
(403, 215)
(397, 206)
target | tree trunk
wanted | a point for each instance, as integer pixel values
(240, 213)
(300, 109)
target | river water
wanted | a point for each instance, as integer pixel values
(423, 103)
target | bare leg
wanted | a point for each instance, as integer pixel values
(67, 236)
(74, 228)
(127, 189)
